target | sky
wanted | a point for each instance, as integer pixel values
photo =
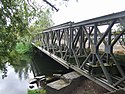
(86, 9)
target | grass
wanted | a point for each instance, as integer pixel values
(40, 91)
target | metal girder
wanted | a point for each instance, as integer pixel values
(103, 20)
(78, 44)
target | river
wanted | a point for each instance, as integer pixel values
(12, 84)
(40, 65)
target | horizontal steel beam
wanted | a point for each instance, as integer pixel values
(101, 19)
(60, 25)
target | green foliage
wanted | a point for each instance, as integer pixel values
(23, 48)
(37, 43)
(41, 91)
(13, 23)
(43, 21)
(20, 19)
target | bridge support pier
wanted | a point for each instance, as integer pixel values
(77, 83)
(66, 85)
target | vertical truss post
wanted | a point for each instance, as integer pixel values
(67, 38)
(108, 46)
(47, 34)
(94, 45)
(53, 37)
(71, 39)
(81, 40)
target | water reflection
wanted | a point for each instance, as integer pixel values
(12, 84)
(4, 70)
(14, 78)
(23, 66)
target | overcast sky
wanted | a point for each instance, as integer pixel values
(86, 9)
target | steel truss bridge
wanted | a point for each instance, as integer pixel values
(77, 46)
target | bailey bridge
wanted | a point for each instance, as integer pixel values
(88, 47)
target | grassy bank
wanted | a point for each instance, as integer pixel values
(41, 91)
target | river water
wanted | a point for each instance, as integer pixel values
(12, 84)
(40, 65)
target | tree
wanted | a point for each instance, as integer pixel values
(43, 21)
(16, 19)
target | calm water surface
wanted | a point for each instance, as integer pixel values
(12, 84)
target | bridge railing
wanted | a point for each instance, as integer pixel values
(79, 44)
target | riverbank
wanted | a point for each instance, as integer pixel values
(89, 87)
(37, 91)
(86, 87)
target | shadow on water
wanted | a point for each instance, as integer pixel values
(44, 65)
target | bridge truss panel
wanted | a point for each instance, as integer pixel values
(79, 45)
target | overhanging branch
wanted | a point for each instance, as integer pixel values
(51, 5)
